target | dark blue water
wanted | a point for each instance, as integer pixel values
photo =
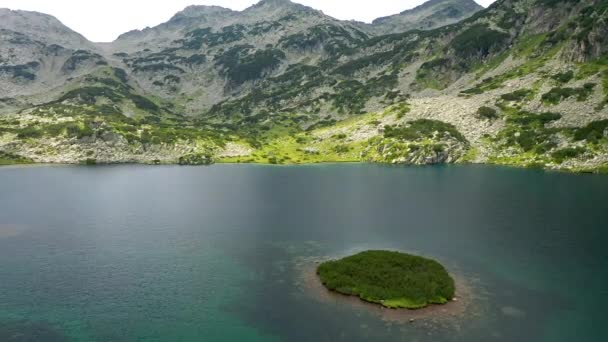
(135, 253)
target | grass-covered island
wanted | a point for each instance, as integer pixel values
(393, 279)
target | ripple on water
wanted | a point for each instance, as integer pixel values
(26, 331)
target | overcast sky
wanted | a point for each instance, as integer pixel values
(104, 20)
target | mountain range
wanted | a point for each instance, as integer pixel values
(523, 82)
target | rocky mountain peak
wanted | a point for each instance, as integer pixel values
(429, 15)
(275, 3)
(197, 11)
(279, 6)
(42, 27)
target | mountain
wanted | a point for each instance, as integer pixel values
(522, 82)
(43, 28)
(431, 14)
(37, 53)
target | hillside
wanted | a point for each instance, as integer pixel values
(523, 82)
(431, 14)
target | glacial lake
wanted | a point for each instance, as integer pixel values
(221, 253)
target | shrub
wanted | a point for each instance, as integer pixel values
(240, 66)
(196, 159)
(567, 153)
(593, 132)
(517, 95)
(478, 41)
(29, 132)
(487, 113)
(423, 128)
(340, 149)
(7, 158)
(527, 118)
(557, 94)
(564, 77)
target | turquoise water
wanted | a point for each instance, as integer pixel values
(135, 253)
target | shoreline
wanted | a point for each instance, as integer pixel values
(449, 313)
(600, 171)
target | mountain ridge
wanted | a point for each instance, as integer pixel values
(522, 82)
(429, 15)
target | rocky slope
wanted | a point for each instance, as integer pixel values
(431, 14)
(524, 82)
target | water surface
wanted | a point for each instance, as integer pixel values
(136, 253)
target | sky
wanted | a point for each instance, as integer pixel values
(105, 20)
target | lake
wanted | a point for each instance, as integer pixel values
(140, 253)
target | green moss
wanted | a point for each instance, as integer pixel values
(392, 279)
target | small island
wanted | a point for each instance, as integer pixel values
(392, 279)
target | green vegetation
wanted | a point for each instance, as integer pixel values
(487, 113)
(434, 74)
(536, 52)
(204, 36)
(478, 41)
(567, 153)
(351, 96)
(593, 132)
(12, 159)
(67, 129)
(555, 3)
(196, 159)
(80, 57)
(527, 132)
(556, 95)
(239, 65)
(518, 95)
(335, 40)
(24, 71)
(423, 129)
(564, 77)
(392, 279)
